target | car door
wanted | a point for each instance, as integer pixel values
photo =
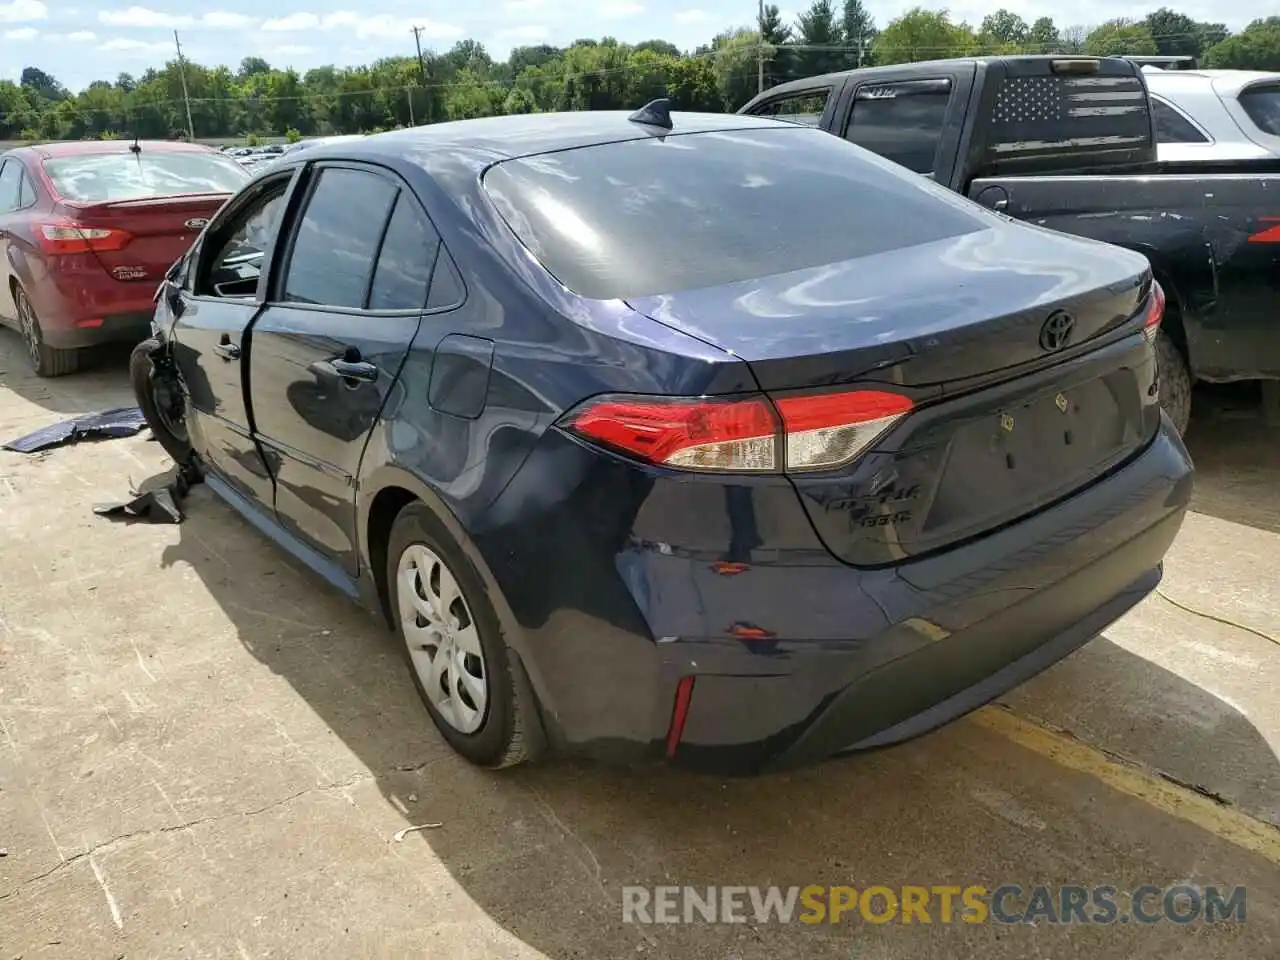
(328, 347)
(213, 307)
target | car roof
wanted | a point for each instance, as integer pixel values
(1225, 82)
(73, 148)
(519, 135)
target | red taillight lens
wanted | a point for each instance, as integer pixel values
(741, 434)
(1155, 312)
(66, 237)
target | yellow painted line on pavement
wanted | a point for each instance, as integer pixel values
(1222, 821)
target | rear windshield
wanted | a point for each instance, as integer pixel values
(1262, 104)
(652, 216)
(96, 177)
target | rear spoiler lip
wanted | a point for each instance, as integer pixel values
(84, 205)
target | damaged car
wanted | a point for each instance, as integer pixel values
(674, 437)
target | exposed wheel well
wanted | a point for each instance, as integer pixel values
(382, 514)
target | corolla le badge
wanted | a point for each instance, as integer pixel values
(196, 223)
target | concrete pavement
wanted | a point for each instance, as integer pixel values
(204, 752)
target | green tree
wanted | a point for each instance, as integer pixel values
(1177, 35)
(1256, 47)
(1043, 37)
(1004, 28)
(733, 56)
(780, 61)
(859, 29)
(820, 40)
(520, 100)
(1119, 37)
(921, 34)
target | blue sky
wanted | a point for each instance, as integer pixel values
(83, 40)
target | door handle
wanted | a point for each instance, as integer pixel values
(359, 370)
(226, 349)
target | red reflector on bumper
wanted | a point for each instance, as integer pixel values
(679, 713)
(89, 323)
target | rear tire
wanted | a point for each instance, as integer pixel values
(45, 360)
(1175, 382)
(156, 398)
(424, 558)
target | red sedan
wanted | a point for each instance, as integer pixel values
(87, 231)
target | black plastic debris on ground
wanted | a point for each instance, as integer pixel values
(161, 505)
(122, 422)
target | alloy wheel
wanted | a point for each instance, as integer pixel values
(444, 644)
(30, 328)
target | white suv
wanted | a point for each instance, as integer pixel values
(1206, 115)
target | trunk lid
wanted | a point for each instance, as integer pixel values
(1007, 419)
(160, 229)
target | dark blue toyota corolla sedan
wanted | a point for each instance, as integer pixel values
(723, 442)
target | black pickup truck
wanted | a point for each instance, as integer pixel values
(1069, 143)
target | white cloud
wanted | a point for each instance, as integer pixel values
(617, 9)
(22, 33)
(691, 16)
(363, 26)
(144, 17)
(23, 11)
(529, 32)
(524, 6)
(129, 45)
(291, 50)
(82, 36)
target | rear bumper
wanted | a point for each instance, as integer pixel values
(851, 659)
(80, 305)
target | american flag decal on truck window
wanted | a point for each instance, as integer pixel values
(1035, 113)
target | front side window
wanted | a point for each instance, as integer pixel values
(901, 122)
(338, 236)
(152, 172)
(1173, 127)
(805, 108)
(240, 248)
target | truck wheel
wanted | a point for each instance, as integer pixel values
(46, 361)
(1175, 382)
(160, 396)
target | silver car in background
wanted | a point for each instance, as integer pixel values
(1215, 115)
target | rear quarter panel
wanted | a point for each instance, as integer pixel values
(1206, 237)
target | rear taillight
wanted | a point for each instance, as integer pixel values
(740, 434)
(66, 237)
(1155, 313)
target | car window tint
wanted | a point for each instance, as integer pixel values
(446, 283)
(337, 241)
(1262, 104)
(805, 108)
(26, 192)
(905, 129)
(235, 266)
(1173, 127)
(121, 175)
(10, 184)
(659, 215)
(405, 262)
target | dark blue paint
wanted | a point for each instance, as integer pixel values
(604, 572)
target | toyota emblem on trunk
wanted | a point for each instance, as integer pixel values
(1057, 330)
(196, 223)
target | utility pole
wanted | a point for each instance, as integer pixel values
(760, 50)
(186, 100)
(422, 70)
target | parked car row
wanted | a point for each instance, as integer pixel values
(694, 438)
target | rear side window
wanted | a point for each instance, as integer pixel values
(10, 184)
(122, 175)
(26, 192)
(408, 255)
(805, 108)
(1173, 127)
(901, 121)
(655, 216)
(337, 241)
(1262, 104)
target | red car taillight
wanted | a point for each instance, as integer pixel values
(66, 237)
(740, 434)
(1155, 313)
